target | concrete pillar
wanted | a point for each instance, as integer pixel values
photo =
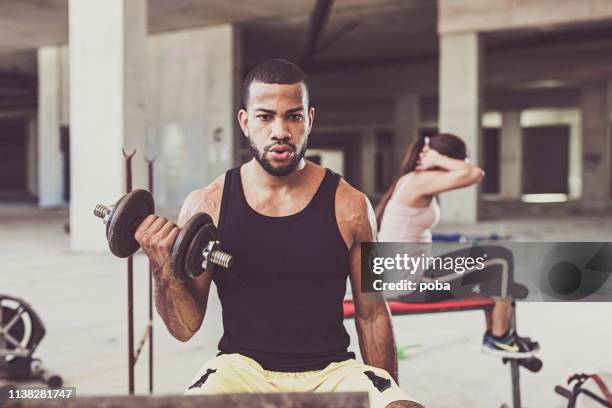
(107, 60)
(511, 156)
(406, 119)
(460, 104)
(368, 162)
(50, 167)
(575, 160)
(595, 146)
(32, 156)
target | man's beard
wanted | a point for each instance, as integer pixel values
(282, 170)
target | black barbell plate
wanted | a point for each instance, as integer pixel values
(180, 249)
(126, 216)
(24, 326)
(194, 257)
(28, 329)
(17, 330)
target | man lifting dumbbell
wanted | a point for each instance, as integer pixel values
(294, 230)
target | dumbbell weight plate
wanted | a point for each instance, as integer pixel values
(17, 330)
(22, 324)
(126, 216)
(194, 257)
(188, 242)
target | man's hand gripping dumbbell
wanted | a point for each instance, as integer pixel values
(131, 224)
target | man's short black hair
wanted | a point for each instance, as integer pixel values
(273, 71)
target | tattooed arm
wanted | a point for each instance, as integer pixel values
(182, 306)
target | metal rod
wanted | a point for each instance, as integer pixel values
(223, 259)
(102, 211)
(17, 352)
(150, 179)
(318, 21)
(514, 366)
(130, 282)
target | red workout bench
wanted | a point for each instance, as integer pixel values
(401, 308)
(404, 308)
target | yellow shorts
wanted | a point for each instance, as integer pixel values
(235, 373)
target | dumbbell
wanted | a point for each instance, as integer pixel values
(196, 246)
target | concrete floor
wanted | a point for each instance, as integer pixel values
(81, 299)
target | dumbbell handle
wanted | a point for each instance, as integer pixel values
(215, 256)
(102, 211)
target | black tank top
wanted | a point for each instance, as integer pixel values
(282, 297)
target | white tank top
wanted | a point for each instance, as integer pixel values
(401, 223)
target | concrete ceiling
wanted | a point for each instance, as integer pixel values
(173, 14)
(356, 28)
(27, 24)
(31, 23)
(358, 33)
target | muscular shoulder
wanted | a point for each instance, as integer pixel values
(354, 214)
(207, 199)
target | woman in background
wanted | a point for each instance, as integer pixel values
(409, 211)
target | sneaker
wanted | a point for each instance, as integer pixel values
(510, 345)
